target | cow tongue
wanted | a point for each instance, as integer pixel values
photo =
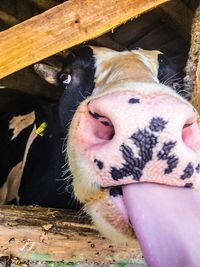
(166, 221)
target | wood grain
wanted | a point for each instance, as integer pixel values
(44, 4)
(35, 233)
(179, 16)
(8, 19)
(193, 65)
(64, 26)
(196, 92)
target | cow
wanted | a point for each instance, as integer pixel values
(131, 140)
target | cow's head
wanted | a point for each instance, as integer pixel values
(133, 150)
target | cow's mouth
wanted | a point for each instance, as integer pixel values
(166, 222)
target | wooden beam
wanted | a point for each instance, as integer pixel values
(194, 57)
(44, 4)
(8, 19)
(179, 16)
(35, 233)
(192, 79)
(196, 92)
(63, 26)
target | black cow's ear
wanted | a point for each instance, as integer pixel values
(47, 72)
(169, 75)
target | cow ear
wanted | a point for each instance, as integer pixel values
(169, 75)
(47, 72)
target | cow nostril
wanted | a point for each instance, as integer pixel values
(101, 126)
(187, 125)
(190, 133)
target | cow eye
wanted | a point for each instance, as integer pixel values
(65, 79)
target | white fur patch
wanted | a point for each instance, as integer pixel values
(112, 66)
(19, 123)
(10, 188)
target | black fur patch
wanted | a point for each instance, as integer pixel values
(99, 164)
(134, 100)
(188, 171)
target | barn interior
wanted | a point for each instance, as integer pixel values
(166, 28)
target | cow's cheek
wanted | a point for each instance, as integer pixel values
(86, 184)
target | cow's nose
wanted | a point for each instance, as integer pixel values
(123, 131)
(118, 116)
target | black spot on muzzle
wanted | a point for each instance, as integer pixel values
(99, 164)
(145, 140)
(188, 171)
(197, 168)
(164, 154)
(134, 101)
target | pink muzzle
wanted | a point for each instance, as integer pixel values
(128, 138)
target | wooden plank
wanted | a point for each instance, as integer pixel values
(8, 19)
(64, 26)
(44, 4)
(179, 16)
(196, 93)
(107, 41)
(192, 79)
(44, 234)
(135, 29)
(194, 57)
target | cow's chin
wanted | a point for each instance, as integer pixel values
(110, 217)
(108, 212)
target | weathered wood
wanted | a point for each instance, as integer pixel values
(194, 56)
(196, 93)
(35, 233)
(8, 19)
(44, 4)
(64, 26)
(135, 29)
(193, 65)
(107, 40)
(179, 16)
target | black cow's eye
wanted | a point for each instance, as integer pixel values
(65, 79)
